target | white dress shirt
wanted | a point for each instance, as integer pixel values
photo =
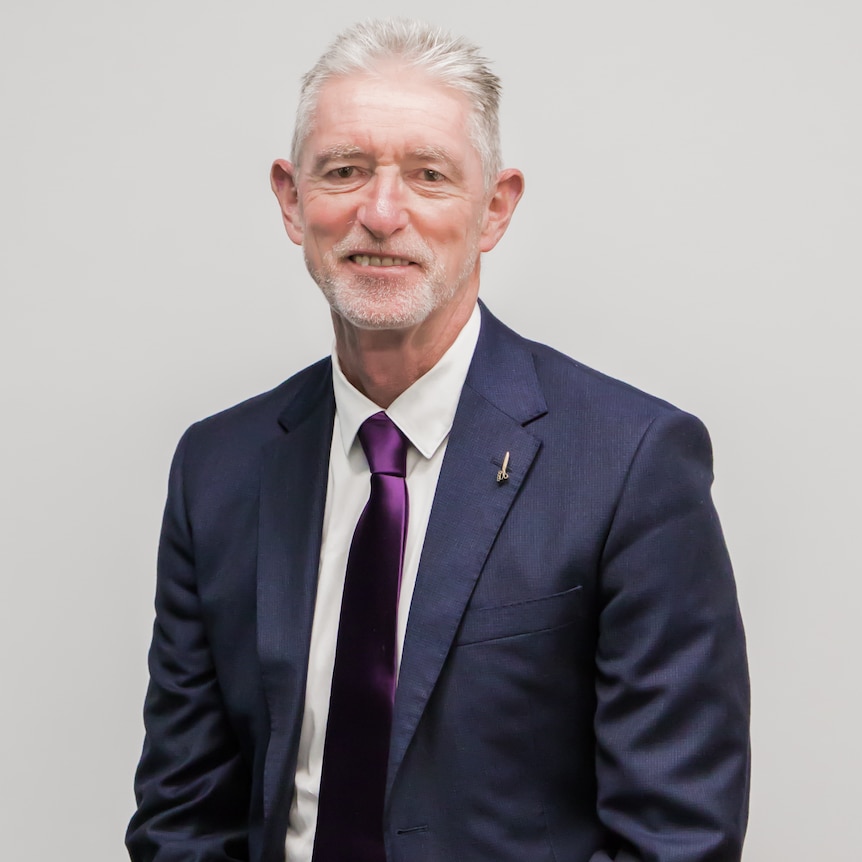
(425, 413)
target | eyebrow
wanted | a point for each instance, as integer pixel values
(437, 154)
(347, 152)
(434, 154)
(335, 153)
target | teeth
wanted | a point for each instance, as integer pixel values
(373, 260)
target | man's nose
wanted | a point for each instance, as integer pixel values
(383, 210)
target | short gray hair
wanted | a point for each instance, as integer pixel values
(451, 60)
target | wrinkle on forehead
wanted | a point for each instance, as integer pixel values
(392, 121)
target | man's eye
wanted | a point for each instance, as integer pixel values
(431, 176)
(345, 172)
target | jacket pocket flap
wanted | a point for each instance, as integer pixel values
(534, 615)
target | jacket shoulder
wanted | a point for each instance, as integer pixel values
(265, 412)
(232, 439)
(571, 387)
(587, 387)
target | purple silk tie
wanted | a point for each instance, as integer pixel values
(355, 754)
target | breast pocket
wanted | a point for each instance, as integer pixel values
(520, 618)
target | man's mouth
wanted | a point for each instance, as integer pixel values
(374, 260)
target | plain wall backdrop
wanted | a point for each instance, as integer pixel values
(692, 224)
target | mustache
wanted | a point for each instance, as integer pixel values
(414, 249)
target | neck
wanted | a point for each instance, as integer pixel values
(383, 363)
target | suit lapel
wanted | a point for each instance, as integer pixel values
(293, 483)
(501, 394)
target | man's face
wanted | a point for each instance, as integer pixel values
(389, 203)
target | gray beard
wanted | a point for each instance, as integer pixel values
(374, 302)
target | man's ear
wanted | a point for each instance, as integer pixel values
(504, 198)
(283, 181)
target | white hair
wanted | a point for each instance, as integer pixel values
(451, 60)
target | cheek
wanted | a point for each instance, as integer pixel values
(328, 219)
(456, 224)
(442, 229)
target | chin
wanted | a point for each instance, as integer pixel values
(365, 314)
(376, 304)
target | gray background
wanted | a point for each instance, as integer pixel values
(691, 224)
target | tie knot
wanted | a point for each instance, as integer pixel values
(384, 445)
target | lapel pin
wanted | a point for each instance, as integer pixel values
(502, 475)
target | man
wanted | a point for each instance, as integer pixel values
(538, 561)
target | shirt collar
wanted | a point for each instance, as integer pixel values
(425, 411)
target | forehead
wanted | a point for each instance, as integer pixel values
(390, 113)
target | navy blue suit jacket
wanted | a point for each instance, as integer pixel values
(573, 684)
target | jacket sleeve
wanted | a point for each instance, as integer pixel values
(191, 786)
(672, 742)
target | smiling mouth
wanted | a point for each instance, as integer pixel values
(373, 260)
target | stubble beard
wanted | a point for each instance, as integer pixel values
(389, 302)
